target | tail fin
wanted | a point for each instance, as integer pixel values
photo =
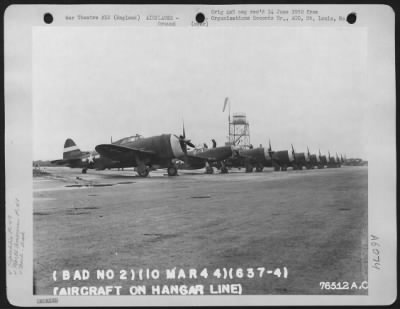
(71, 151)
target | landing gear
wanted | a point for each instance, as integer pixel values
(276, 166)
(209, 170)
(259, 167)
(284, 168)
(84, 170)
(143, 172)
(249, 168)
(172, 171)
(224, 170)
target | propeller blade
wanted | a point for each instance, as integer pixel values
(183, 129)
(190, 144)
(214, 143)
(270, 148)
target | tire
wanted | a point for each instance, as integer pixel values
(84, 171)
(144, 173)
(172, 171)
(209, 170)
(224, 170)
(259, 168)
(249, 168)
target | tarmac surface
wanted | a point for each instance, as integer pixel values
(271, 232)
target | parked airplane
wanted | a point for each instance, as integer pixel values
(332, 161)
(281, 159)
(313, 160)
(299, 160)
(250, 158)
(209, 157)
(154, 152)
(323, 161)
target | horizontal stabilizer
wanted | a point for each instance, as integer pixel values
(59, 162)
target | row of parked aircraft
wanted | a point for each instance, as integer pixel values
(171, 152)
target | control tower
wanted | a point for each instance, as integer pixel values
(239, 131)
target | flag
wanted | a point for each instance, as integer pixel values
(225, 103)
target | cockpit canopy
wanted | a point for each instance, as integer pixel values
(128, 139)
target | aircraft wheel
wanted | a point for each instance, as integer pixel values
(249, 168)
(209, 170)
(224, 170)
(172, 171)
(259, 168)
(84, 170)
(277, 168)
(144, 172)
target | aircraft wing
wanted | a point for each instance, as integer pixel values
(119, 153)
(199, 157)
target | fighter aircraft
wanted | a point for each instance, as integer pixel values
(258, 157)
(154, 152)
(338, 161)
(322, 160)
(299, 160)
(281, 159)
(75, 158)
(313, 160)
(253, 157)
(331, 161)
(209, 157)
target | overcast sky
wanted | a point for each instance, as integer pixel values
(304, 86)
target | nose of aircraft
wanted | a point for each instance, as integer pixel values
(177, 147)
(291, 156)
(267, 154)
(235, 150)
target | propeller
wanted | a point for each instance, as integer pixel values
(293, 152)
(269, 148)
(308, 154)
(235, 151)
(183, 141)
(214, 143)
(205, 145)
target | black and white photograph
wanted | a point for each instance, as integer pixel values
(208, 151)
